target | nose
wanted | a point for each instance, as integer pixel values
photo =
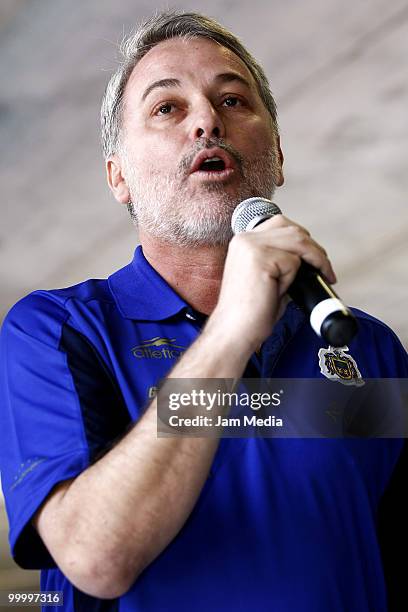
(207, 122)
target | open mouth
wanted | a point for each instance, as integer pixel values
(212, 164)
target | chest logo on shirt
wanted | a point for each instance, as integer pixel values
(335, 364)
(158, 348)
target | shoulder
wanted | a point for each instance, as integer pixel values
(46, 310)
(375, 327)
(380, 346)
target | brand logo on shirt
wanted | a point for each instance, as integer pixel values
(336, 365)
(158, 348)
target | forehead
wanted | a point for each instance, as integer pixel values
(188, 60)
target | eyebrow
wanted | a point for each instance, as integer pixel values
(224, 77)
(160, 83)
(228, 77)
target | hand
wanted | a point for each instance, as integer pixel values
(260, 267)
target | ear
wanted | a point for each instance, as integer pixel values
(116, 180)
(280, 178)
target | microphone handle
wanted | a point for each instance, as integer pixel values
(329, 317)
(309, 288)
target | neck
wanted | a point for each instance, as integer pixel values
(195, 273)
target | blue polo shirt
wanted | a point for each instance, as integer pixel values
(286, 525)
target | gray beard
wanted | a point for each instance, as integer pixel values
(163, 206)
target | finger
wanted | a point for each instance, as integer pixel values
(283, 267)
(294, 239)
(278, 221)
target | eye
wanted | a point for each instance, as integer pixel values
(232, 101)
(164, 109)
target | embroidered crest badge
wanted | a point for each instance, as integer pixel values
(335, 364)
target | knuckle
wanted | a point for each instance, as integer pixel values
(305, 231)
(278, 221)
(299, 234)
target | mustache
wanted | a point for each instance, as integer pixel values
(207, 143)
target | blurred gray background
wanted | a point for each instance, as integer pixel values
(339, 72)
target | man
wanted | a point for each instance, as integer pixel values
(115, 516)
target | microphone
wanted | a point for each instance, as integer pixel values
(329, 317)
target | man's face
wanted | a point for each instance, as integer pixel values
(186, 99)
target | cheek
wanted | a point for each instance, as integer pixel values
(145, 162)
(162, 152)
(264, 134)
(256, 135)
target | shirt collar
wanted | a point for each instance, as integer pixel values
(141, 293)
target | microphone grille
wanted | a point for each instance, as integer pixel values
(250, 209)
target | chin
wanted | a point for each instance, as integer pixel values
(203, 237)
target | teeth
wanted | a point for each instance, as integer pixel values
(210, 159)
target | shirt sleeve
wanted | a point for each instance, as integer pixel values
(379, 349)
(59, 408)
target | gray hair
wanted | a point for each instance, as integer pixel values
(160, 27)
